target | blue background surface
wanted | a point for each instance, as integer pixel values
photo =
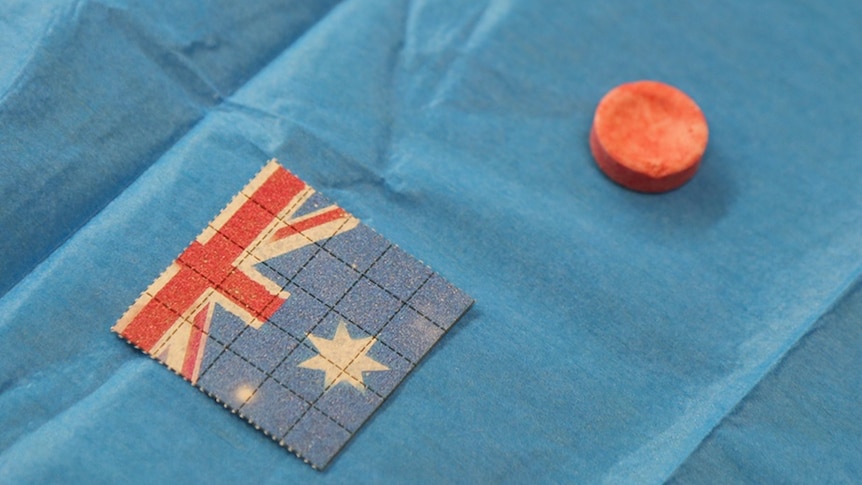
(707, 334)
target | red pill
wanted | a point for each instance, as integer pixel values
(648, 136)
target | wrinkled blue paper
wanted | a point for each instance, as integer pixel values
(707, 334)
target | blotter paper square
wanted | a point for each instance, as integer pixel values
(293, 314)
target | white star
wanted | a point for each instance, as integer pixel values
(343, 358)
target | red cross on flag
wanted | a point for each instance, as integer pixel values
(173, 315)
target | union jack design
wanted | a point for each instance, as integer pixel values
(172, 317)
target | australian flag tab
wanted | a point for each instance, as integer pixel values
(294, 314)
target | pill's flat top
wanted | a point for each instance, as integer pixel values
(648, 136)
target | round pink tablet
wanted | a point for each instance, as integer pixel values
(648, 136)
